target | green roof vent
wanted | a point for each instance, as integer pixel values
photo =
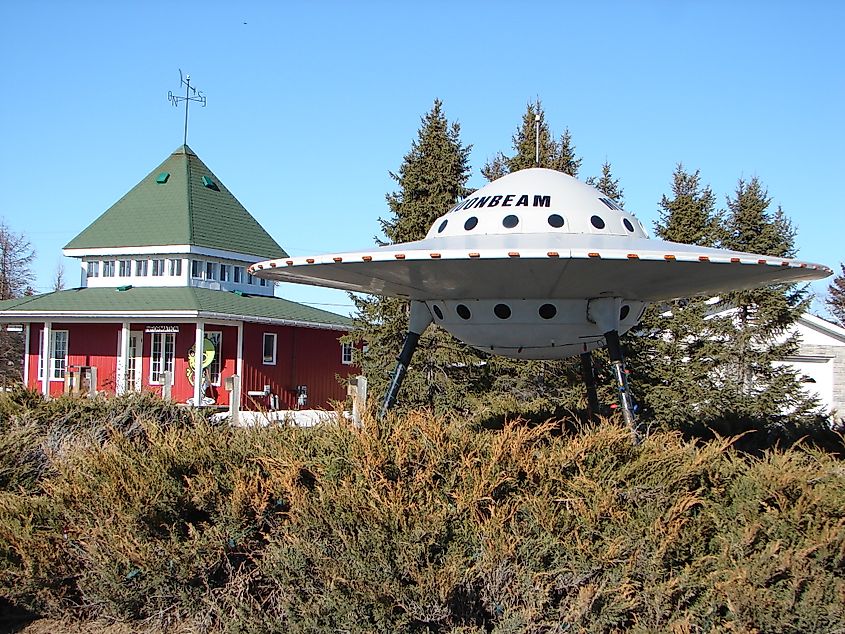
(239, 293)
(161, 179)
(125, 287)
(207, 182)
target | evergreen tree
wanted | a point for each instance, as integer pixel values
(607, 184)
(715, 364)
(690, 215)
(431, 179)
(553, 154)
(536, 389)
(566, 160)
(836, 300)
(761, 394)
(671, 352)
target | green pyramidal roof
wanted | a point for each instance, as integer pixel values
(179, 202)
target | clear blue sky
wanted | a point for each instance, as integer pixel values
(311, 104)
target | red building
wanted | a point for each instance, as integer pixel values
(164, 273)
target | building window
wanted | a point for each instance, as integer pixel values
(269, 348)
(175, 268)
(57, 355)
(250, 279)
(124, 268)
(93, 269)
(108, 268)
(141, 267)
(237, 274)
(262, 281)
(161, 357)
(158, 268)
(196, 269)
(225, 274)
(211, 270)
(346, 353)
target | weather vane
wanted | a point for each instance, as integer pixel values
(191, 94)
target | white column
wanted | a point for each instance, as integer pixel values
(45, 358)
(26, 356)
(239, 365)
(122, 359)
(198, 347)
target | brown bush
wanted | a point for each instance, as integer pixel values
(423, 524)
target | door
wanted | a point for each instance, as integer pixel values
(133, 362)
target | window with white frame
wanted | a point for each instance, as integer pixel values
(346, 353)
(269, 348)
(262, 282)
(163, 346)
(175, 267)
(250, 278)
(237, 274)
(196, 269)
(124, 268)
(57, 355)
(93, 269)
(211, 270)
(108, 268)
(158, 267)
(225, 272)
(141, 268)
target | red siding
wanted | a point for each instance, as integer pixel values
(88, 344)
(304, 356)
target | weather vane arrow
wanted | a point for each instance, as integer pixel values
(191, 94)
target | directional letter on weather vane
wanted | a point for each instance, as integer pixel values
(191, 94)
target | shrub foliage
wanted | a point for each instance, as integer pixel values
(411, 524)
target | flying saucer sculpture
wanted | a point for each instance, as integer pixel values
(536, 265)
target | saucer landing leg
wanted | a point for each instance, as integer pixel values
(420, 319)
(614, 350)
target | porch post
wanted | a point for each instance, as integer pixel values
(198, 348)
(45, 358)
(122, 359)
(26, 356)
(239, 364)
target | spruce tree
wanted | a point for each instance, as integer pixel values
(553, 154)
(672, 350)
(715, 364)
(431, 179)
(607, 184)
(836, 300)
(762, 394)
(690, 216)
(566, 160)
(536, 389)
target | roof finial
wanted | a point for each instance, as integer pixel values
(191, 94)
